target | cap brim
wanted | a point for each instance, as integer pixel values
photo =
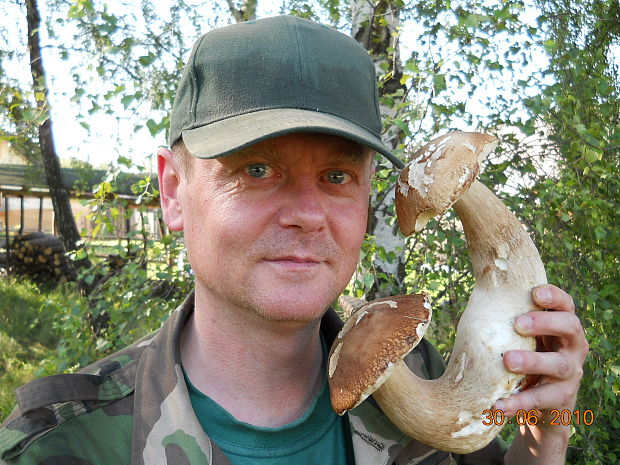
(233, 134)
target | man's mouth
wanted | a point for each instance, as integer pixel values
(295, 262)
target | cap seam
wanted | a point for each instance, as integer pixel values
(301, 67)
(194, 86)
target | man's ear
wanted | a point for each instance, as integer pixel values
(170, 177)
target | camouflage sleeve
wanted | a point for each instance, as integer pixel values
(81, 419)
(96, 437)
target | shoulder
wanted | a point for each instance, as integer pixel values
(78, 411)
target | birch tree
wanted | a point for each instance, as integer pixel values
(375, 25)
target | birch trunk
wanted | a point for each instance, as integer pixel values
(375, 26)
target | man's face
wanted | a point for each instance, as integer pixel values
(277, 228)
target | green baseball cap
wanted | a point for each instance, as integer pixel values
(261, 79)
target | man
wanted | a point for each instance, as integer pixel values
(272, 135)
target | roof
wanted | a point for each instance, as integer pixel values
(78, 181)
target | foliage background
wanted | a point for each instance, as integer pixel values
(547, 73)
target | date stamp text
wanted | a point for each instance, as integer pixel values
(532, 417)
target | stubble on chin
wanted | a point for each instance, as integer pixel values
(274, 303)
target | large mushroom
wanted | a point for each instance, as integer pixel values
(449, 413)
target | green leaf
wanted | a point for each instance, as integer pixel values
(102, 344)
(590, 155)
(125, 161)
(439, 83)
(153, 127)
(549, 45)
(146, 60)
(405, 78)
(473, 20)
(126, 100)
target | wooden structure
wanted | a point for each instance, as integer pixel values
(25, 204)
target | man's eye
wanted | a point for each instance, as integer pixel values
(337, 177)
(259, 170)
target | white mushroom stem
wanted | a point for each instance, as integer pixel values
(448, 413)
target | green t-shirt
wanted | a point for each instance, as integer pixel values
(318, 437)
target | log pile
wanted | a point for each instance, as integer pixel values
(41, 256)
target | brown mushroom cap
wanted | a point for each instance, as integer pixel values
(378, 335)
(439, 173)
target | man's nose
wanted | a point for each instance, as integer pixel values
(304, 206)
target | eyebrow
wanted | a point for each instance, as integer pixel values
(270, 154)
(352, 153)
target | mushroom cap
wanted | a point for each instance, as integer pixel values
(378, 336)
(439, 173)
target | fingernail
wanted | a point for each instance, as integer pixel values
(500, 405)
(543, 295)
(516, 361)
(524, 323)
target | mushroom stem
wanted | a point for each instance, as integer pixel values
(448, 413)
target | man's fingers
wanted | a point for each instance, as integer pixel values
(560, 324)
(555, 365)
(557, 372)
(552, 297)
(545, 396)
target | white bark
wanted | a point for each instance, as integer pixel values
(363, 14)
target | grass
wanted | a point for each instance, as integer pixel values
(27, 313)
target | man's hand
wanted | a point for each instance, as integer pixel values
(555, 372)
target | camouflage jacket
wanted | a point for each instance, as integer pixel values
(133, 408)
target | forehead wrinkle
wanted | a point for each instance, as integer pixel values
(358, 155)
(271, 154)
(351, 153)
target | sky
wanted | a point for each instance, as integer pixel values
(108, 136)
(111, 136)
